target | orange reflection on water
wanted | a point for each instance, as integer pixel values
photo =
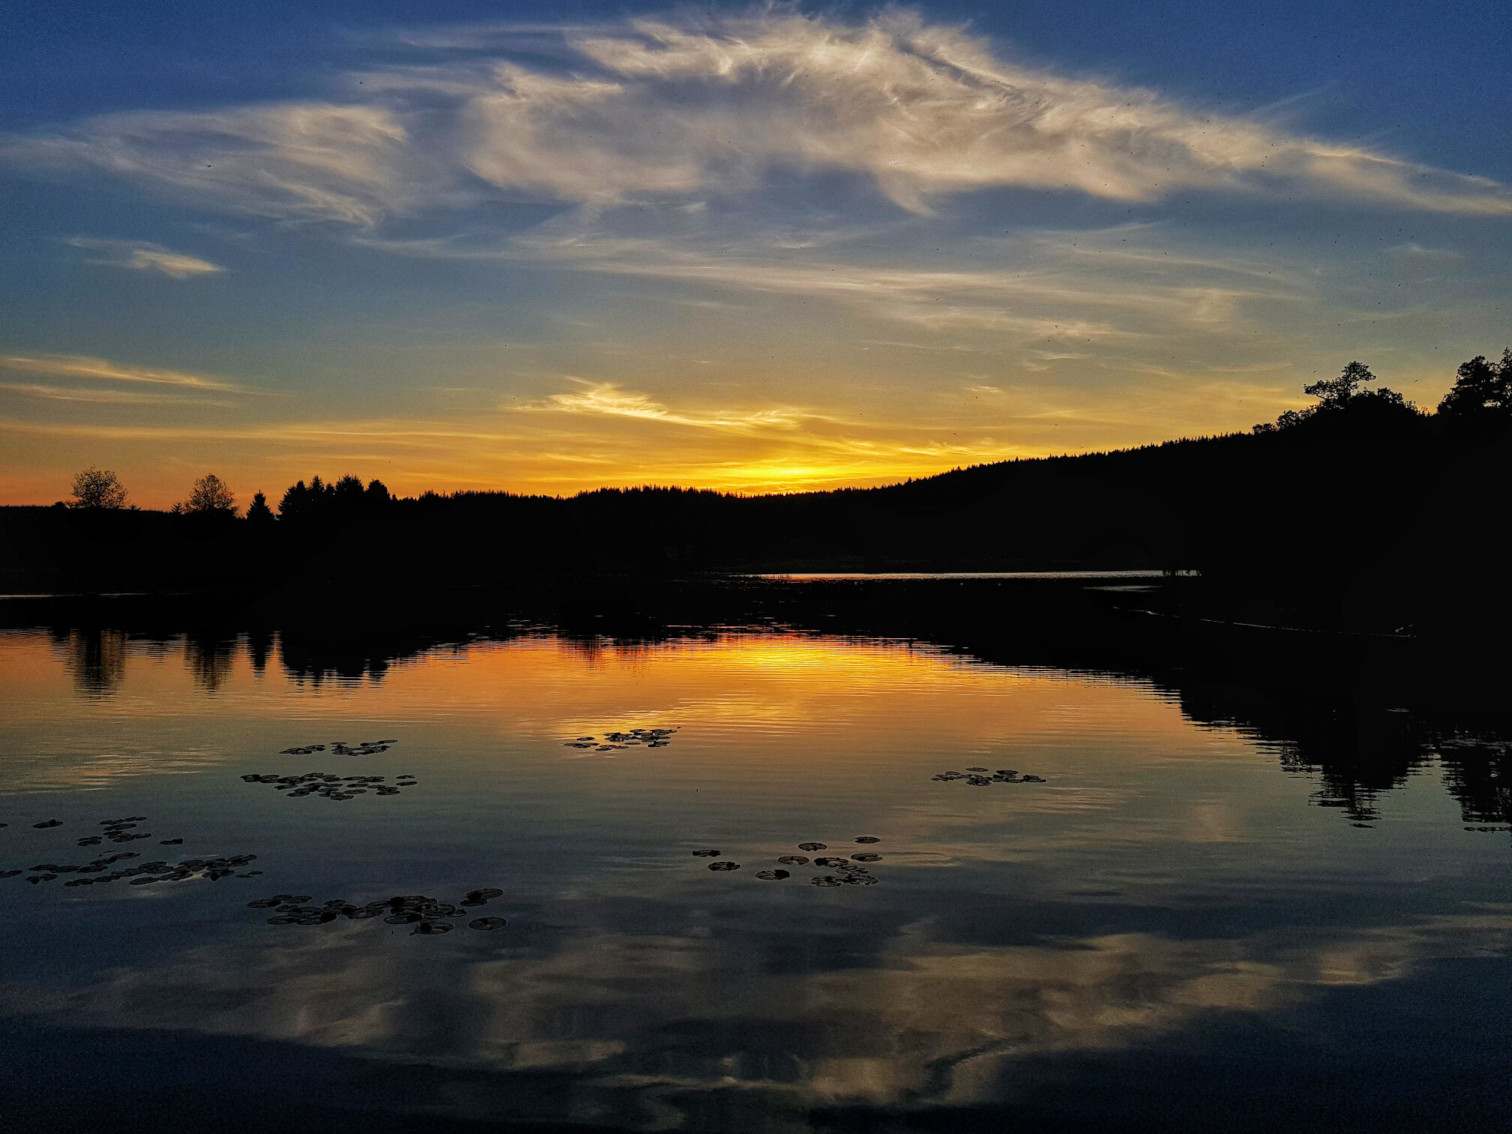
(781, 700)
(1166, 873)
(768, 687)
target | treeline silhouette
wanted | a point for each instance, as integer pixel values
(1359, 719)
(1360, 513)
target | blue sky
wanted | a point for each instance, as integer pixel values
(755, 247)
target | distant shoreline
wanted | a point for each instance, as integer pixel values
(912, 576)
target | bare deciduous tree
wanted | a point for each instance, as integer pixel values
(98, 488)
(210, 495)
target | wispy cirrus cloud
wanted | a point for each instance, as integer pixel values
(778, 251)
(598, 433)
(144, 256)
(592, 436)
(1118, 284)
(287, 161)
(924, 109)
(672, 109)
(105, 397)
(608, 399)
(103, 370)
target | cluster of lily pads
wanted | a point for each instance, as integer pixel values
(120, 831)
(99, 870)
(332, 786)
(612, 741)
(981, 777)
(340, 748)
(427, 915)
(851, 871)
(104, 868)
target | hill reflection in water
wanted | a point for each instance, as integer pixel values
(1358, 748)
(1220, 887)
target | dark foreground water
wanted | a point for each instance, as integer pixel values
(1157, 922)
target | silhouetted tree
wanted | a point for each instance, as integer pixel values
(1343, 401)
(347, 492)
(98, 488)
(210, 495)
(1336, 393)
(259, 512)
(295, 504)
(1482, 391)
(340, 502)
(1288, 420)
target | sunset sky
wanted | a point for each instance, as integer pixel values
(545, 248)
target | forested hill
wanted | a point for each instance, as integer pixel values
(1377, 508)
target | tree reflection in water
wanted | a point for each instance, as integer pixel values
(1062, 953)
(96, 659)
(1359, 746)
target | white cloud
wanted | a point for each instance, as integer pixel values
(609, 400)
(1413, 250)
(143, 256)
(99, 369)
(921, 110)
(677, 109)
(98, 397)
(296, 161)
(1117, 284)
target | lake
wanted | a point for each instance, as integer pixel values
(1118, 909)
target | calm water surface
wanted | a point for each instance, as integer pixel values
(1040, 576)
(1180, 928)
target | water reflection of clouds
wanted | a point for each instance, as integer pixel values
(912, 1020)
(1118, 902)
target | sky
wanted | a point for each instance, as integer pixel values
(773, 247)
